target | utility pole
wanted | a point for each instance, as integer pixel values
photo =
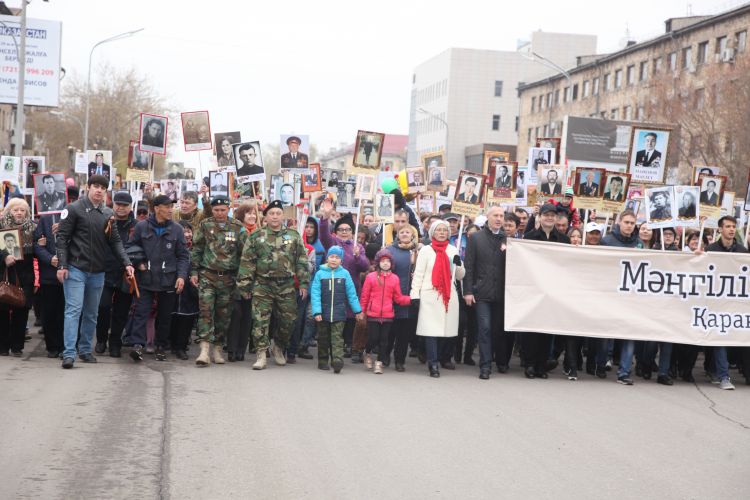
(21, 53)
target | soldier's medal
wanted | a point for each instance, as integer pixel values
(64, 214)
(169, 245)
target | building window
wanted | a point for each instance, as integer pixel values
(618, 78)
(545, 131)
(495, 122)
(528, 135)
(700, 98)
(657, 65)
(549, 99)
(586, 89)
(687, 58)
(741, 41)
(614, 114)
(595, 89)
(557, 97)
(541, 102)
(516, 126)
(643, 71)
(498, 88)
(606, 82)
(721, 45)
(673, 61)
(640, 114)
(566, 94)
(630, 77)
(702, 53)
(533, 103)
(627, 113)
(575, 91)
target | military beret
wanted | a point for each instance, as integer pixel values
(293, 138)
(273, 204)
(219, 201)
(162, 199)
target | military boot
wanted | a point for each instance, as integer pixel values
(278, 355)
(203, 359)
(261, 362)
(217, 358)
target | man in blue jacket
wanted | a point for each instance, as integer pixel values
(161, 277)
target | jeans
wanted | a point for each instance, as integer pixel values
(431, 349)
(665, 355)
(721, 363)
(626, 358)
(82, 293)
(489, 325)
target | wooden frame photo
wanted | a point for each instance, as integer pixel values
(368, 150)
(196, 130)
(491, 158)
(153, 130)
(435, 159)
(50, 193)
(415, 179)
(470, 188)
(365, 187)
(311, 180)
(501, 180)
(648, 154)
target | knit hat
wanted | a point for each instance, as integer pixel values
(336, 250)
(385, 254)
(437, 224)
(345, 219)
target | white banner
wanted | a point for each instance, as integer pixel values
(42, 61)
(627, 293)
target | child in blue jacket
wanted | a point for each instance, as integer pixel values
(332, 288)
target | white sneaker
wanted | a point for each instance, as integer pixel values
(726, 385)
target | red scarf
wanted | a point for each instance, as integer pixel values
(441, 271)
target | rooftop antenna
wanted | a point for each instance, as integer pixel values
(689, 9)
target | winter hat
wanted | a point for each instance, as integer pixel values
(569, 192)
(398, 198)
(346, 219)
(437, 224)
(385, 254)
(336, 250)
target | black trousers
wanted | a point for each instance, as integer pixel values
(164, 307)
(468, 331)
(377, 336)
(114, 307)
(536, 348)
(240, 326)
(179, 333)
(403, 332)
(53, 316)
(349, 331)
(13, 328)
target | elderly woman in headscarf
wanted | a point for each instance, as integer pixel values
(435, 295)
(18, 263)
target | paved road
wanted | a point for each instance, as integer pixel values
(171, 430)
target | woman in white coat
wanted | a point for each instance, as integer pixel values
(434, 292)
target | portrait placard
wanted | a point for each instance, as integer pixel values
(501, 182)
(368, 150)
(522, 175)
(190, 185)
(296, 150)
(11, 168)
(384, 204)
(551, 180)
(365, 187)
(588, 189)
(470, 188)
(171, 188)
(688, 208)
(285, 192)
(196, 130)
(550, 142)
(346, 199)
(697, 171)
(493, 158)
(436, 178)
(223, 143)
(332, 178)
(426, 203)
(82, 163)
(218, 182)
(153, 134)
(647, 156)
(711, 189)
(445, 197)
(433, 160)
(616, 186)
(31, 165)
(249, 161)
(540, 157)
(11, 242)
(415, 179)
(51, 193)
(312, 179)
(139, 164)
(660, 207)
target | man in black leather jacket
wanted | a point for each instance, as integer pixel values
(84, 237)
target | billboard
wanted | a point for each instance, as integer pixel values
(42, 61)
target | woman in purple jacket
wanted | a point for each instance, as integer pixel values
(355, 261)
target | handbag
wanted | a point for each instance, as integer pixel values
(11, 294)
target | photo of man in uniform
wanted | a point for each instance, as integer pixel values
(247, 154)
(219, 183)
(589, 188)
(50, 199)
(98, 167)
(153, 137)
(649, 156)
(660, 207)
(294, 158)
(540, 158)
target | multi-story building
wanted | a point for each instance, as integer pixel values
(642, 82)
(466, 98)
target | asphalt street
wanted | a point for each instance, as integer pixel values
(171, 430)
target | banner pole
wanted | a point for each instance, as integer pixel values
(747, 227)
(604, 230)
(356, 224)
(700, 238)
(662, 238)
(585, 223)
(458, 242)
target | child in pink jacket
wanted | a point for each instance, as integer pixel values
(381, 289)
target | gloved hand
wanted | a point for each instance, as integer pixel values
(456, 261)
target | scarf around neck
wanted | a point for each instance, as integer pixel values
(27, 230)
(441, 271)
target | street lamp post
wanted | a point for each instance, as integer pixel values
(74, 118)
(537, 58)
(447, 130)
(88, 82)
(21, 56)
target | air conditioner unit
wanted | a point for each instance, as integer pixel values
(727, 55)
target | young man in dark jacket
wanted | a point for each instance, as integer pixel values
(114, 304)
(484, 287)
(161, 277)
(84, 237)
(536, 346)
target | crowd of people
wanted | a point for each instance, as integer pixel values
(239, 280)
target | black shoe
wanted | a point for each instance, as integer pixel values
(664, 380)
(115, 352)
(181, 354)
(601, 372)
(448, 365)
(422, 358)
(160, 355)
(230, 356)
(100, 347)
(484, 375)
(387, 361)
(552, 364)
(502, 368)
(571, 374)
(469, 361)
(4, 353)
(68, 363)
(590, 370)
(624, 380)
(347, 352)
(291, 359)
(324, 367)
(639, 370)
(400, 367)
(646, 375)
(239, 357)
(87, 358)
(412, 353)
(17, 354)
(137, 353)
(337, 366)
(434, 371)
(529, 372)
(542, 375)
(52, 354)
(304, 354)
(688, 377)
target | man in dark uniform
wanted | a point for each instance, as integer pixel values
(294, 158)
(247, 154)
(98, 167)
(50, 200)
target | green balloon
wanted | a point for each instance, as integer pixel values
(389, 185)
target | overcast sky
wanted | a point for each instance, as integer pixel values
(320, 68)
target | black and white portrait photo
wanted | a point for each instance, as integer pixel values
(698, 171)
(686, 198)
(469, 188)
(345, 196)
(10, 241)
(218, 183)
(541, 156)
(171, 188)
(138, 159)
(659, 206)
(435, 177)
(223, 142)
(368, 149)
(711, 188)
(153, 134)
(51, 193)
(285, 194)
(647, 158)
(249, 161)
(365, 187)
(616, 186)
(196, 130)
(551, 181)
(384, 207)
(415, 179)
